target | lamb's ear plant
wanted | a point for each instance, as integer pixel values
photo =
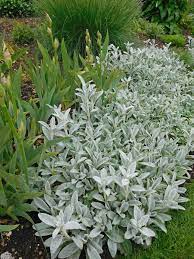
(124, 160)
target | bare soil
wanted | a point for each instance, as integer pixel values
(22, 243)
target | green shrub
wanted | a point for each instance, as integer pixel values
(175, 40)
(150, 29)
(16, 8)
(168, 13)
(70, 19)
(23, 34)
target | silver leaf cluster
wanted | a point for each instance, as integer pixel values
(121, 159)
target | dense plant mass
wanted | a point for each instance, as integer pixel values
(169, 12)
(16, 8)
(120, 161)
(70, 19)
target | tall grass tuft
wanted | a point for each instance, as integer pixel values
(71, 18)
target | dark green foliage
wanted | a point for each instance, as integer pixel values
(23, 34)
(175, 40)
(187, 22)
(168, 12)
(191, 6)
(16, 8)
(70, 19)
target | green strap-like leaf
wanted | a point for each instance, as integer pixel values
(7, 228)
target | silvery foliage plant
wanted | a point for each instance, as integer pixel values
(119, 161)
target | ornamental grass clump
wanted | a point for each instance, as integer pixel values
(120, 160)
(70, 19)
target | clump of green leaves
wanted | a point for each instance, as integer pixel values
(23, 34)
(121, 159)
(175, 40)
(16, 8)
(150, 29)
(169, 12)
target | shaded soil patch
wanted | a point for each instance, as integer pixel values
(22, 243)
(27, 90)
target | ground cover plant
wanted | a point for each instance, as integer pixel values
(122, 158)
(70, 19)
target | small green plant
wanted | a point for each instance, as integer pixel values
(23, 34)
(169, 12)
(150, 29)
(16, 8)
(70, 19)
(175, 40)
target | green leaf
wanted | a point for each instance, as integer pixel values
(3, 199)
(92, 252)
(5, 133)
(127, 248)
(116, 235)
(105, 48)
(7, 228)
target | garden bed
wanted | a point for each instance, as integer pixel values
(98, 145)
